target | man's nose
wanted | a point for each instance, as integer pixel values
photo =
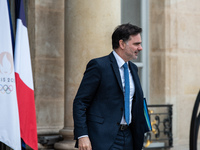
(140, 48)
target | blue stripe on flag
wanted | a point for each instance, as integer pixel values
(20, 11)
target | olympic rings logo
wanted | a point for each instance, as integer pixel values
(6, 89)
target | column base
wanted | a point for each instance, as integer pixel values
(68, 143)
(65, 145)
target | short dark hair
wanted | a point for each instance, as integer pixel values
(123, 32)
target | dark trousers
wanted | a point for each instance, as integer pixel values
(123, 141)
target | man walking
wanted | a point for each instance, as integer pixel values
(108, 108)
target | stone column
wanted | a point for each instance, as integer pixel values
(174, 52)
(88, 29)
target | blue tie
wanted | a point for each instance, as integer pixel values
(127, 93)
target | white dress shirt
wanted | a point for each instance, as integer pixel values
(120, 63)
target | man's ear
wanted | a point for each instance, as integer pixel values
(122, 44)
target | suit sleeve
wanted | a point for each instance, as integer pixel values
(84, 97)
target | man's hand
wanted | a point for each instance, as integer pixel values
(84, 143)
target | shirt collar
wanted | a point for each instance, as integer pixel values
(120, 61)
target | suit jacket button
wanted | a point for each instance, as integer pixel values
(118, 123)
(122, 109)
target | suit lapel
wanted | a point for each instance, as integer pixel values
(115, 69)
(117, 74)
(135, 79)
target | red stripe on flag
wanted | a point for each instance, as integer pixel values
(27, 116)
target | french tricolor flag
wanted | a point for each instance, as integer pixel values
(24, 80)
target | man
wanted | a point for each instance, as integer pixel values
(108, 108)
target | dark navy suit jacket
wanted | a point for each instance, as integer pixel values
(99, 103)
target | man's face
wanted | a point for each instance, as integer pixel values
(132, 47)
